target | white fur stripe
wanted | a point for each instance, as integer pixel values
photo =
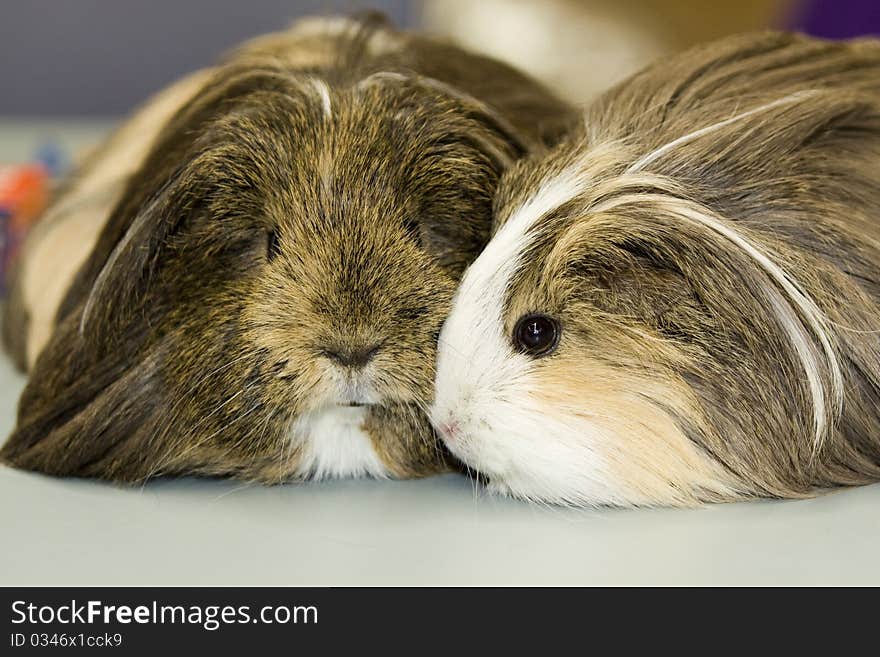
(501, 256)
(323, 92)
(806, 307)
(477, 309)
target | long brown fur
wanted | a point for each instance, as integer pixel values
(317, 196)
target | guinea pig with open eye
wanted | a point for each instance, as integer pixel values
(263, 299)
(681, 303)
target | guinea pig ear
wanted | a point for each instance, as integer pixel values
(501, 141)
(95, 404)
(110, 286)
(125, 268)
(163, 194)
(516, 142)
(86, 413)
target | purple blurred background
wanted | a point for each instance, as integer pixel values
(837, 19)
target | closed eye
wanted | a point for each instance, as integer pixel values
(273, 245)
(413, 229)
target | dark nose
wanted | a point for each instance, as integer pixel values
(352, 356)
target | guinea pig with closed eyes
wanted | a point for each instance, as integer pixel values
(263, 297)
(681, 303)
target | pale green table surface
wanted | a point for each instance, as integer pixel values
(435, 531)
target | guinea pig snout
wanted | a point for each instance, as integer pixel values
(355, 356)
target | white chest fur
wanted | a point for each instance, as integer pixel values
(335, 445)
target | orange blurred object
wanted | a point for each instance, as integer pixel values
(24, 192)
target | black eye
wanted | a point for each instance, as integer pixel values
(536, 335)
(273, 247)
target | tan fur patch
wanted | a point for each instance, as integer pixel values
(652, 459)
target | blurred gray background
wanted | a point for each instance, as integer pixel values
(102, 57)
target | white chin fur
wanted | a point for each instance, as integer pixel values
(334, 445)
(528, 454)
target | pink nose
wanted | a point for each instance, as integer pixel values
(448, 430)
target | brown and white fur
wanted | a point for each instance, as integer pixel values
(248, 279)
(707, 247)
